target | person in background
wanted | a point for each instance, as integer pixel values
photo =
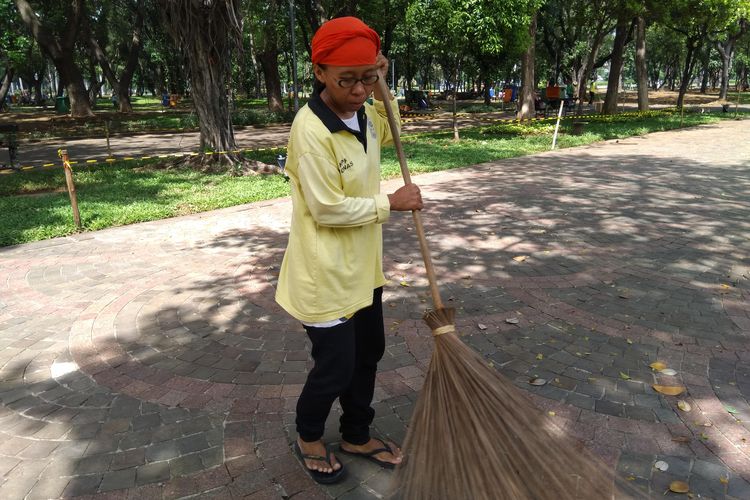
(331, 277)
(569, 90)
(592, 92)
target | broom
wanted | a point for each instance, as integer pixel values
(475, 436)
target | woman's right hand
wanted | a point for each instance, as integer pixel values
(406, 198)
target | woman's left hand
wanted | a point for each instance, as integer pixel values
(383, 64)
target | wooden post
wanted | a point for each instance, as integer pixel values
(71, 187)
(737, 105)
(557, 125)
(106, 130)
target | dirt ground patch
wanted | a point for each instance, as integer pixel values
(669, 98)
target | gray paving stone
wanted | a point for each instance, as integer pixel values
(47, 487)
(580, 401)
(83, 485)
(636, 464)
(212, 457)
(709, 470)
(189, 444)
(609, 408)
(165, 450)
(708, 488)
(152, 473)
(185, 465)
(738, 488)
(118, 480)
(640, 413)
(667, 415)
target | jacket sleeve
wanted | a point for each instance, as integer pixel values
(327, 202)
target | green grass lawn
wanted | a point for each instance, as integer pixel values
(35, 205)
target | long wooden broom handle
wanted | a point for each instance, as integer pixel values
(436, 300)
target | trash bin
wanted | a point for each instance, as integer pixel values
(281, 161)
(62, 105)
(9, 139)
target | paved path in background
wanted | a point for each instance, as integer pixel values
(137, 145)
(150, 361)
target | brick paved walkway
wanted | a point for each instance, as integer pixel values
(150, 361)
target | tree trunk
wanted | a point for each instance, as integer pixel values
(121, 85)
(206, 32)
(687, 70)
(641, 69)
(705, 70)
(269, 59)
(131, 63)
(596, 44)
(456, 136)
(5, 86)
(62, 53)
(726, 50)
(38, 97)
(615, 67)
(526, 109)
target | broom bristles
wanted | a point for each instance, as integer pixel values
(473, 435)
(440, 318)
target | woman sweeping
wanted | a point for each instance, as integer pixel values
(331, 278)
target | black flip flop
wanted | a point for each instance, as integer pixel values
(318, 476)
(371, 454)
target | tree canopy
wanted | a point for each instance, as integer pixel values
(80, 47)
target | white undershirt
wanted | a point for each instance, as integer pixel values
(327, 324)
(352, 123)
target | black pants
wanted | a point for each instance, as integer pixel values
(346, 359)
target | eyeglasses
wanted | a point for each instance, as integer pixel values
(348, 83)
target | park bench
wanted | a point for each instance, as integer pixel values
(9, 139)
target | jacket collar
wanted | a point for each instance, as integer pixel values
(334, 124)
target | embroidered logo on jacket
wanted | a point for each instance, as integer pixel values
(345, 165)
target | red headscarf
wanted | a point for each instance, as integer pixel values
(345, 41)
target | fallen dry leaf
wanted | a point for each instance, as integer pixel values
(683, 405)
(657, 366)
(537, 381)
(404, 283)
(628, 341)
(679, 487)
(661, 465)
(540, 356)
(511, 321)
(520, 258)
(724, 480)
(624, 376)
(668, 371)
(481, 326)
(669, 390)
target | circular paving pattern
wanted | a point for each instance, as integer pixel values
(152, 361)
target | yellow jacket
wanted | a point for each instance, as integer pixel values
(333, 260)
